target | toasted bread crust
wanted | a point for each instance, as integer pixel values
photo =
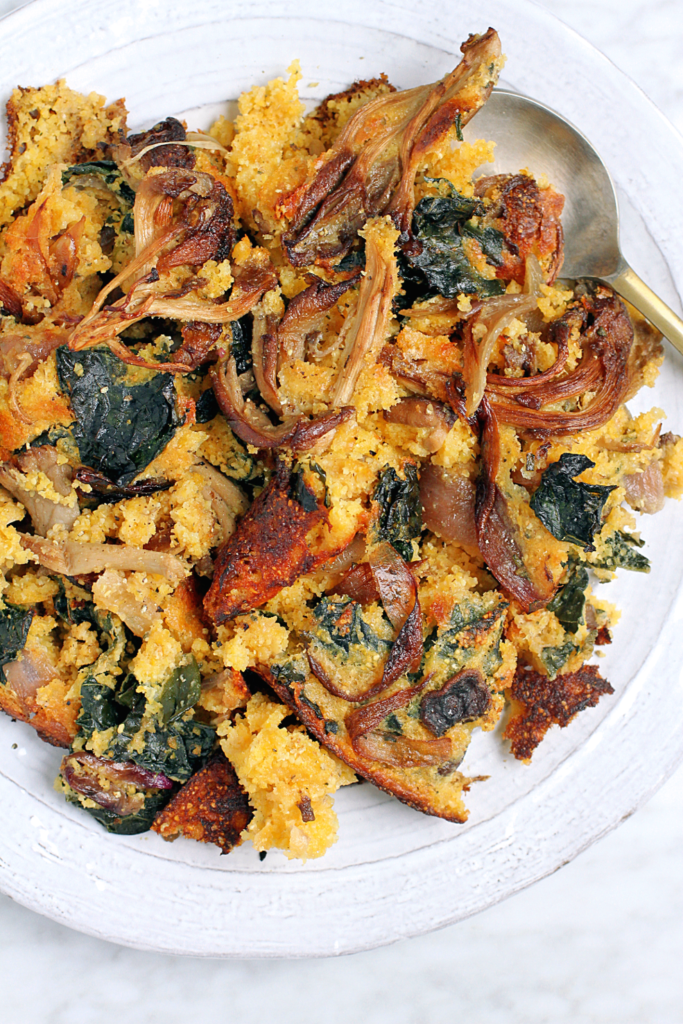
(211, 808)
(540, 702)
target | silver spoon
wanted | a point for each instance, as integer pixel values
(528, 134)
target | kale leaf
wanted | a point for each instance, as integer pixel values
(342, 626)
(206, 406)
(103, 180)
(240, 347)
(120, 426)
(440, 223)
(180, 692)
(554, 658)
(169, 743)
(619, 553)
(400, 508)
(354, 260)
(570, 510)
(109, 176)
(176, 750)
(570, 600)
(99, 708)
(128, 824)
(14, 626)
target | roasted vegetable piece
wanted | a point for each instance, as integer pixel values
(211, 808)
(383, 739)
(527, 220)
(570, 600)
(606, 339)
(440, 225)
(619, 552)
(524, 560)
(399, 509)
(371, 168)
(462, 699)
(568, 508)
(539, 702)
(121, 796)
(120, 425)
(14, 626)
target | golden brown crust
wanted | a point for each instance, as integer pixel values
(184, 614)
(266, 553)
(211, 808)
(529, 219)
(405, 784)
(539, 702)
(54, 718)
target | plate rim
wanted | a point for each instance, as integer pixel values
(19, 887)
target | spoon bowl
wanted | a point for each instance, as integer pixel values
(530, 135)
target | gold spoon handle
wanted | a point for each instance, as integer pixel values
(630, 287)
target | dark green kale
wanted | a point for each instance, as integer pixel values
(301, 492)
(105, 173)
(120, 426)
(100, 709)
(555, 658)
(570, 600)
(129, 824)
(440, 224)
(619, 553)
(14, 626)
(290, 671)
(570, 510)
(177, 751)
(400, 508)
(206, 406)
(103, 180)
(180, 692)
(240, 347)
(392, 724)
(342, 627)
(354, 260)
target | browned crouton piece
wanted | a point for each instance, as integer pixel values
(266, 553)
(211, 808)
(539, 702)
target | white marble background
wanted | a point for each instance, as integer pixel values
(600, 942)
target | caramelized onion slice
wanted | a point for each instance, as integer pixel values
(253, 426)
(645, 490)
(425, 413)
(496, 534)
(402, 752)
(398, 592)
(448, 501)
(108, 782)
(72, 558)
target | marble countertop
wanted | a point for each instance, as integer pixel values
(600, 942)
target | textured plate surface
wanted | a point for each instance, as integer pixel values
(394, 872)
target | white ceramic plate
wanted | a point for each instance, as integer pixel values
(394, 872)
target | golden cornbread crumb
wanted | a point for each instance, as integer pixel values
(288, 778)
(256, 639)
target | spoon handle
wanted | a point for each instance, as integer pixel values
(634, 290)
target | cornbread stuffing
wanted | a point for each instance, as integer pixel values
(310, 461)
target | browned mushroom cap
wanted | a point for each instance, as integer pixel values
(44, 511)
(371, 168)
(529, 220)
